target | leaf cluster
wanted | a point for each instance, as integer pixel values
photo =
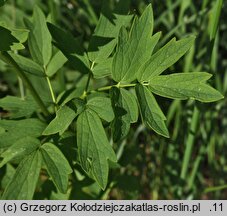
(122, 49)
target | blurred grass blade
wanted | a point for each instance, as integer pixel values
(217, 188)
(214, 18)
(189, 143)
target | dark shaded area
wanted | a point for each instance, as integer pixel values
(7, 40)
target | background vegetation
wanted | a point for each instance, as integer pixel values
(192, 164)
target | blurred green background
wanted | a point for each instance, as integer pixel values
(192, 164)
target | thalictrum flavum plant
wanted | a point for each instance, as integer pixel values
(123, 48)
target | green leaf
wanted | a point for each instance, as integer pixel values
(104, 40)
(103, 68)
(56, 63)
(105, 35)
(41, 86)
(165, 57)
(132, 52)
(39, 39)
(28, 66)
(21, 35)
(69, 95)
(61, 122)
(151, 113)
(19, 149)
(126, 112)
(78, 105)
(17, 129)
(8, 175)
(109, 26)
(70, 47)
(23, 184)
(93, 147)
(18, 107)
(184, 86)
(57, 166)
(8, 41)
(102, 106)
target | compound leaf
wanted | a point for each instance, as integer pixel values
(22, 185)
(19, 149)
(136, 49)
(61, 122)
(93, 147)
(126, 112)
(151, 113)
(184, 86)
(165, 57)
(57, 166)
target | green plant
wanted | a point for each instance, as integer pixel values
(84, 120)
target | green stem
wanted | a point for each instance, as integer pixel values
(51, 91)
(9, 60)
(105, 88)
(21, 86)
(89, 76)
(88, 81)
